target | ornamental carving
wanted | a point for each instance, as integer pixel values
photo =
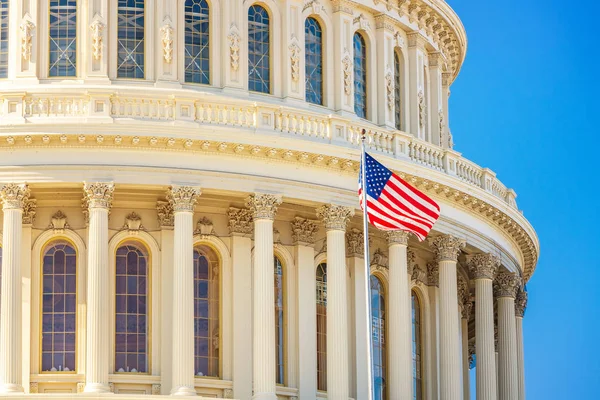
(347, 68)
(355, 243)
(379, 258)
(27, 27)
(240, 221)
(133, 223)
(304, 230)
(58, 222)
(315, 5)
(234, 39)
(204, 227)
(471, 355)
(442, 124)
(399, 40)
(98, 194)
(97, 29)
(156, 388)
(410, 260)
(389, 87)
(467, 308)
(262, 205)
(164, 211)
(397, 237)
(521, 303)
(167, 42)
(506, 285)
(447, 247)
(362, 22)
(422, 108)
(483, 266)
(450, 140)
(433, 273)
(183, 198)
(14, 196)
(33, 387)
(295, 51)
(462, 288)
(29, 211)
(335, 217)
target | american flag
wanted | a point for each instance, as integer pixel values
(393, 204)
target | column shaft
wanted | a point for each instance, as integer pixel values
(520, 358)
(465, 357)
(10, 319)
(484, 340)
(507, 346)
(307, 323)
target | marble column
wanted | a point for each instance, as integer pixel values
(483, 268)
(506, 285)
(399, 318)
(520, 306)
(98, 197)
(466, 315)
(183, 199)
(263, 208)
(447, 249)
(335, 219)
(14, 197)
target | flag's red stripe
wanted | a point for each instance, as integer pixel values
(417, 192)
(420, 234)
(400, 224)
(393, 204)
(419, 206)
(391, 213)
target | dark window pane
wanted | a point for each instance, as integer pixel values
(360, 76)
(313, 61)
(259, 79)
(196, 47)
(130, 39)
(63, 38)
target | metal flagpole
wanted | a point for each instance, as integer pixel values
(363, 180)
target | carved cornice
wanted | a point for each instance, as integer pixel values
(164, 211)
(397, 237)
(262, 205)
(447, 247)
(29, 211)
(521, 303)
(483, 266)
(98, 194)
(335, 217)
(304, 230)
(433, 273)
(183, 198)
(240, 221)
(355, 243)
(506, 285)
(14, 196)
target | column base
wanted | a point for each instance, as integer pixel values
(11, 388)
(264, 396)
(184, 391)
(96, 388)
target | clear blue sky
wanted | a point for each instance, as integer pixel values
(523, 105)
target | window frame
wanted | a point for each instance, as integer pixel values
(320, 23)
(76, 39)
(212, 44)
(365, 61)
(272, 60)
(148, 27)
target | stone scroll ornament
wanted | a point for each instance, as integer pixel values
(27, 27)
(234, 39)
(97, 29)
(167, 42)
(389, 87)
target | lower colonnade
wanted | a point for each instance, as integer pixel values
(247, 296)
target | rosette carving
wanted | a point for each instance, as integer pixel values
(335, 217)
(483, 266)
(164, 211)
(183, 198)
(355, 243)
(507, 284)
(14, 195)
(397, 237)
(240, 221)
(98, 194)
(262, 205)
(304, 230)
(447, 247)
(521, 303)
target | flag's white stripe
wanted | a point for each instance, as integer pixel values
(425, 227)
(419, 216)
(410, 206)
(414, 196)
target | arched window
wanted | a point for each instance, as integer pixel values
(130, 39)
(59, 307)
(259, 61)
(279, 331)
(197, 44)
(398, 89)
(3, 39)
(206, 312)
(360, 75)
(322, 326)
(63, 38)
(378, 315)
(416, 348)
(313, 61)
(131, 312)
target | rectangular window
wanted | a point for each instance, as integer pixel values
(3, 39)
(63, 38)
(130, 39)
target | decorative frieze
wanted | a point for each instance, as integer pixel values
(521, 303)
(483, 266)
(335, 217)
(447, 247)
(263, 205)
(14, 195)
(304, 230)
(204, 227)
(433, 273)
(234, 39)
(355, 243)
(183, 198)
(164, 211)
(29, 211)
(98, 194)
(506, 284)
(397, 237)
(240, 221)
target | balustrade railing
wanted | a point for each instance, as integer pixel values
(33, 108)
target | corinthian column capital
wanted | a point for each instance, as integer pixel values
(304, 230)
(164, 212)
(183, 198)
(397, 237)
(14, 196)
(240, 221)
(262, 205)
(521, 303)
(447, 247)
(335, 217)
(355, 243)
(98, 194)
(483, 266)
(29, 211)
(507, 284)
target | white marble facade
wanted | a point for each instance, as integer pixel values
(180, 218)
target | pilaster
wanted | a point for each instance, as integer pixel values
(446, 135)
(95, 37)
(29, 212)
(343, 59)
(166, 220)
(384, 35)
(416, 79)
(437, 114)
